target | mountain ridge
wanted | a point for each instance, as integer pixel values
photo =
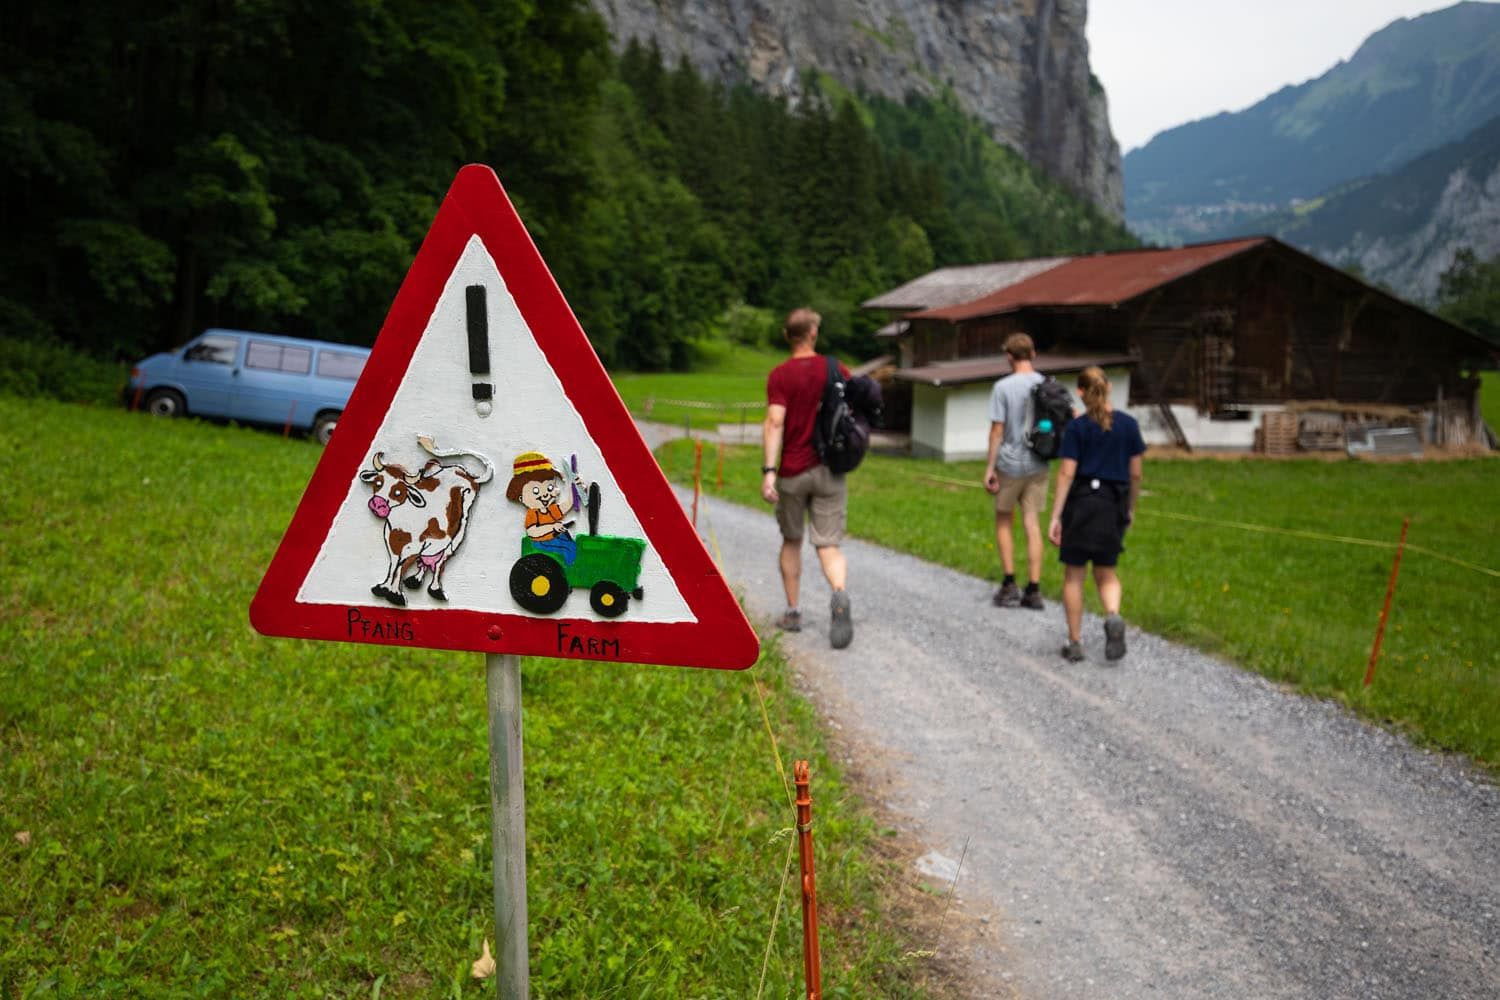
(1404, 229)
(1412, 86)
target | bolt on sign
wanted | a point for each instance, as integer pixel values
(487, 489)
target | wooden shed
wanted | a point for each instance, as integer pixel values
(1202, 342)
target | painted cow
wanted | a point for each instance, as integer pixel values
(424, 516)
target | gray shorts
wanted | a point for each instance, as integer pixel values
(816, 495)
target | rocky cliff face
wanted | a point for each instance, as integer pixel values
(1467, 214)
(1021, 66)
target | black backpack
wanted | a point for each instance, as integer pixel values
(1051, 407)
(841, 434)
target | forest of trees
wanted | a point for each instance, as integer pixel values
(1469, 294)
(274, 165)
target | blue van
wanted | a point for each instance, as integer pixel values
(256, 378)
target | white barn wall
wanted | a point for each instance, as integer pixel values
(953, 423)
(1201, 432)
(928, 415)
(968, 423)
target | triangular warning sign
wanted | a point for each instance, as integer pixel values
(487, 489)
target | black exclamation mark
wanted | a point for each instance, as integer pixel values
(479, 347)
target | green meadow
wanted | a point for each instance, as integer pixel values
(726, 375)
(1279, 566)
(193, 810)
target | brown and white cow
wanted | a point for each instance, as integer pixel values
(424, 516)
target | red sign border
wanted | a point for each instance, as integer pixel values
(720, 638)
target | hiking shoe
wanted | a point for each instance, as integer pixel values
(1008, 596)
(1072, 651)
(1033, 599)
(841, 628)
(790, 621)
(1114, 637)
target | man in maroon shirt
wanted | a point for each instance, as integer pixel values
(804, 490)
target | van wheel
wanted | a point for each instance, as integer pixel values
(323, 427)
(165, 403)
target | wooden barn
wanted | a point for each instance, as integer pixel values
(1246, 343)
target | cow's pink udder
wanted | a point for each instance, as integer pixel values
(431, 561)
(380, 506)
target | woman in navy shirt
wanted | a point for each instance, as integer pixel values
(1098, 482)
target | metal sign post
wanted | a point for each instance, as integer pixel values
(508, 824)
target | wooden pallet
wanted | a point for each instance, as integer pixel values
(1278, 432)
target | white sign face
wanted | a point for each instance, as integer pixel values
(530, 414)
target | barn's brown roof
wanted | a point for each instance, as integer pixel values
(1099, 280)
(988, 369)
(949, 286)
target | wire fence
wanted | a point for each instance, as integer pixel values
(729, 421)
(1374, 543)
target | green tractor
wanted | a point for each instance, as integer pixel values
(609, 567)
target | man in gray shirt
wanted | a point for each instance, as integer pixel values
(1015, 475)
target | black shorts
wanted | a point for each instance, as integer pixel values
(1093, 523)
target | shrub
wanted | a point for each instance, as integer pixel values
(49, 368)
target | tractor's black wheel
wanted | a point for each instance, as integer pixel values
(609, 600)
(538, 584)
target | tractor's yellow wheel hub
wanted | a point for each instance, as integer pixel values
(540, 586)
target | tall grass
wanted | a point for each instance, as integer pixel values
(191, 809)
(1298, 603)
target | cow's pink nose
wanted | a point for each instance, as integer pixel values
(380, 506)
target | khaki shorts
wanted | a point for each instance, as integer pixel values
(816, 495)
(1030, 490)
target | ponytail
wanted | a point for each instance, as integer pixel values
(1096, 396)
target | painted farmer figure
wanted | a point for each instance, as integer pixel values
(804, 491)
(1016, 476)
(539, 487)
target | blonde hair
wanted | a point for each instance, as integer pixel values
(1019, 346)
(1096, 396)
(800, 323)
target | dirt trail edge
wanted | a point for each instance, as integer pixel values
(1172, 827)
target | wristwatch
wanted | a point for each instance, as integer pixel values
(767, 468)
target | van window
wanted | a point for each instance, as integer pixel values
(337, 364)
(218, 350)
(278, 358)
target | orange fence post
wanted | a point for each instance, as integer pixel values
(811, 964)
(697, 478)
(286, 428)
(1385, 611)
(135, 401)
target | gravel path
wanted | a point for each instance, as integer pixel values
(1172, 827)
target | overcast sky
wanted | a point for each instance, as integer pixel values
(1166, 62)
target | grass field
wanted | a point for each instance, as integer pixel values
(728, 375)
(192, 810)
(1291, 601)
